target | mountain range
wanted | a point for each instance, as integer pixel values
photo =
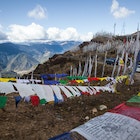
(21, 58)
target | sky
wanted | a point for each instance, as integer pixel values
(64, 20)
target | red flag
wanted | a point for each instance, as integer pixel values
(35, 100)
(130, 111)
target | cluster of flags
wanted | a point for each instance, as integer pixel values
(121, 122)
(35, 101)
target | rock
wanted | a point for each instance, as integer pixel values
(59, 117)
(102, 107)
(87, 118)
(94, 110)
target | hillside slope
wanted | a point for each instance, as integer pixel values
(61, 63)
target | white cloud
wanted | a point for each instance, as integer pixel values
(120, 12)
(67, 34)
(86, 37)
(38, 12)
(114, 6)
(36, 33)
(32, 32)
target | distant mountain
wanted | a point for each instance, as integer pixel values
(23, 57)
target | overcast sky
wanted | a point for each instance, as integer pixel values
(31, 20)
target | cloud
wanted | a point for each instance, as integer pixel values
(36, 33)
(114, 6)
(32, 32)
(59, 34)
(3, 36)
(38, 12)
(69, 33)
(120, 12)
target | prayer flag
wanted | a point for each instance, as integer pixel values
(35, 100)
(43, 101)
(17, 99)
(64, 136)
(27, 99)
(3, 100)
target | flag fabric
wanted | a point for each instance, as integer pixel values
(95, 71)
(64, 136)
(138, 57)
(134, 99)
(130, 111)
(137, 60)
(43, 101)
(79, 69)
(3, 100)
(35, 100)
(137, 49)
(114, 68)
(85, 68)
(27, 99)
(17, 99)
(110, 126)
(56, 100)
(125, 63)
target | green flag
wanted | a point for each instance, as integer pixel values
(43, 101)
(135, 99)
(3, 100)
(63, 82)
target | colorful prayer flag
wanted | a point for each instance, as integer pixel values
(17, 99)
(35, 100)
(3, 100)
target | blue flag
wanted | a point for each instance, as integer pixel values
(17, 99)
(64, 136)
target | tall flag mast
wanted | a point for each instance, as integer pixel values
(137, 48)
(114, 28)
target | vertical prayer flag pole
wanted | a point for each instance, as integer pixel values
(114, 68)
(114, 28)
(121, 63)
(32, 77)
(135, 56)
(125, 64)
(95, 72)
(126, 57)
(79, 69)
(71, 70)
(104, 64)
